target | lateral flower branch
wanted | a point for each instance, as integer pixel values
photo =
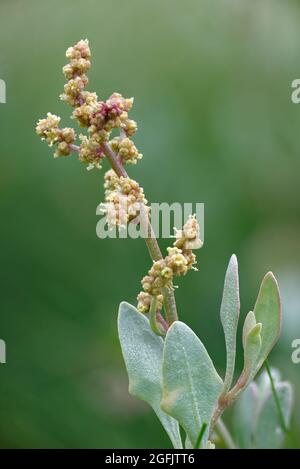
(124, 198)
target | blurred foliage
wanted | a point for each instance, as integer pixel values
(212, 88)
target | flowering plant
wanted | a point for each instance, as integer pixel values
(168, 365)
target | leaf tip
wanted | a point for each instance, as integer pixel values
(257, 328)
(233, 260)
(124, 304)
(270, 276)
(176, 326)
(254, 334)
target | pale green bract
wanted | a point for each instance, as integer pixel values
(191, 385)
(252, 347)
(143, 355)
(249, 323)
(230, 311)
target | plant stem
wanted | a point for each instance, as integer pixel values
(200, 436)
(224, 433)
(150, 238)
(170, 305)
(162, 321)
(155, 325)
(114, 162)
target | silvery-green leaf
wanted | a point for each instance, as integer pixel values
(230, 310)
(268, 433)
(268, 311)
(143, 355)
(252, 351)
(191, 385)
(249, 323)
(244, 417)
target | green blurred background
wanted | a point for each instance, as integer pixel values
(212, 84)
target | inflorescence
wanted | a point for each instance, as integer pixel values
(98, 117)
(123, 196)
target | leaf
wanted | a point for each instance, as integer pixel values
(230, 311)
(143, 355)
(269, 434)
(191, 385)
(267, 311)
(244, 417)
(251, 352)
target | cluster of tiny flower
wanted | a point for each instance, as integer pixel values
(178, 262)
(123, 199)
(99, 117)
(48, 129)
(125, 149)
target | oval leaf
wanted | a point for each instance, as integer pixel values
(143, 355)
(191, 385)
(268, 311)
(230, 311)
